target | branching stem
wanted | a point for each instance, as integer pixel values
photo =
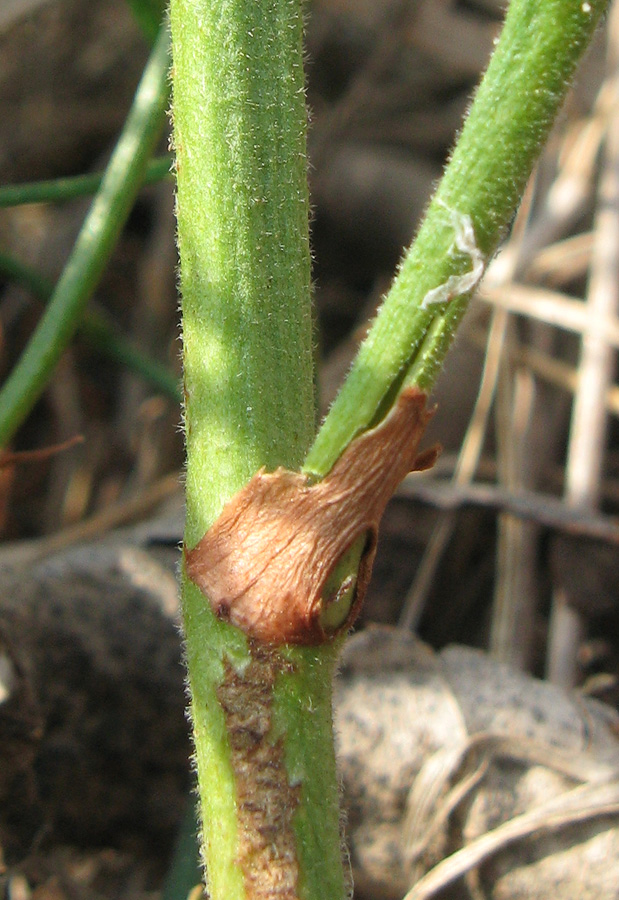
(262, 713)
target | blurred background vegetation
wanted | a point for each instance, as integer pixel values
(512, 543)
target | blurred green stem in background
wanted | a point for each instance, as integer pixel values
(123, 178)
(98, 331)
(57, 190)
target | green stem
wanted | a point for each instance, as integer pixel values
(100, 334)
(261, 714)
(149, 15)
(94, 244)
(29, 278)
(239, 126)
(513, 111)
(57, 190)
(98, 331)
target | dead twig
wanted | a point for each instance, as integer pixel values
(582, 803)
(589, 417)
(553, 308)
(544, 509)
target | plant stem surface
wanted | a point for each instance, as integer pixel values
(261, 716)
(509, 120)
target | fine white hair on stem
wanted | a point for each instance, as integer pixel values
(465, 242)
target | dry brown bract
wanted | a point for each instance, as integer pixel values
(266, 560)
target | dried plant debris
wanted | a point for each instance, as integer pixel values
(449, 761)
(265, 562)
(458, 769)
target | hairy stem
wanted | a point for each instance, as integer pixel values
(262, 713)
(262, 717)
(514, 108)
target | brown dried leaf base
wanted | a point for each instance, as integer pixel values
(265, 562)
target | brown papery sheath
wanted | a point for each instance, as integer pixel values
(264, 564)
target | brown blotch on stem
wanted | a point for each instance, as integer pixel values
(264, 563)
(266, 802)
